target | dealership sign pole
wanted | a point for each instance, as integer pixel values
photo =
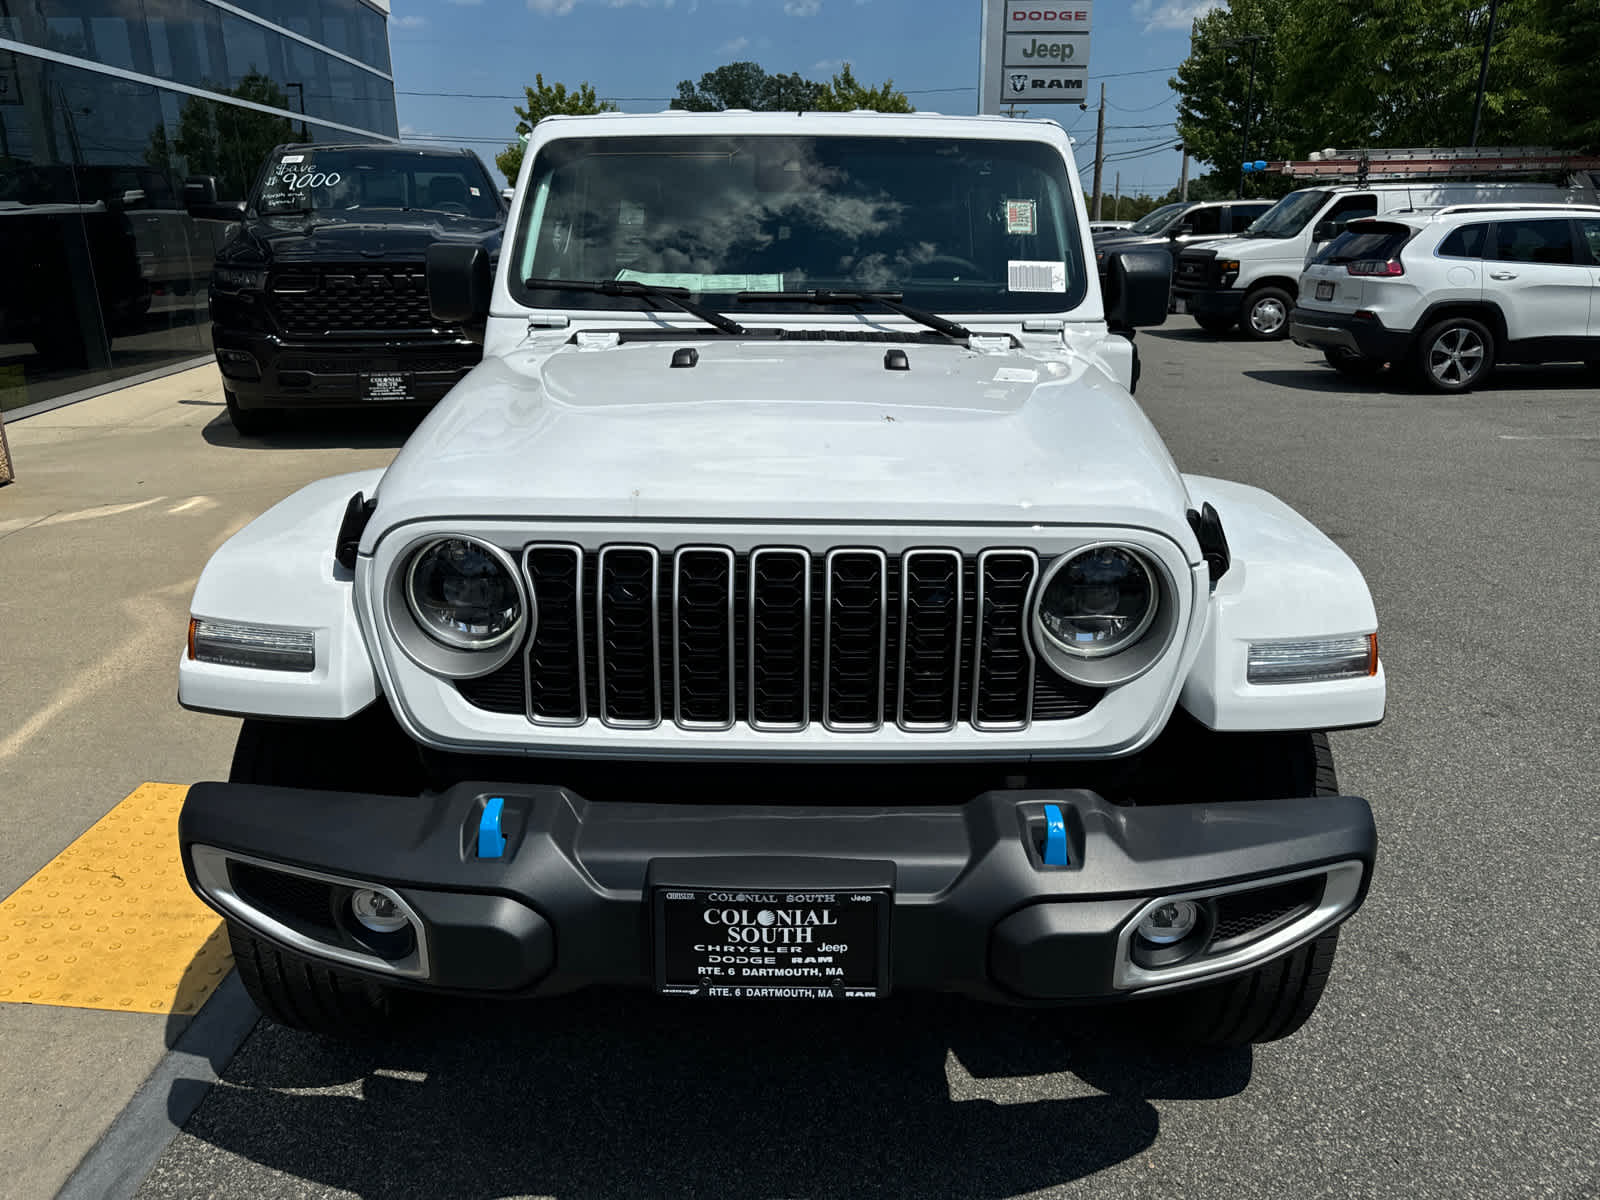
(1033, 53)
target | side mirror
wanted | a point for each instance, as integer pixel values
(507, 193)
(131, 198)
(1138, 285)
(1324, 231)
(1185, 227)
(458, 283)
(200, 199)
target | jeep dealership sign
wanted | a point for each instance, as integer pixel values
(1033, 54)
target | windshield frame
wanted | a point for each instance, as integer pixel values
(1312, 199)
(995, 302)
(469, 165)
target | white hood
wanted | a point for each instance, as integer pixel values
(786, 431)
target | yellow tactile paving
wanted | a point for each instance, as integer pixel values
(111, 922)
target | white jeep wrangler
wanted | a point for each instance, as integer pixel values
(793, 603)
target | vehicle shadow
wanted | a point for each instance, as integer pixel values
(606, 1094)
(355, 429)
(1397, 382)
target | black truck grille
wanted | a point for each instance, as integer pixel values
(1194, 267)
(852, 639)
(350, 298)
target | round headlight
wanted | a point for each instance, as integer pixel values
(464, 593)
(1098, 601)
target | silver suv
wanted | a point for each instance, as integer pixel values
(1453, 292)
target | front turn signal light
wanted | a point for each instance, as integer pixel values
(1313, 660)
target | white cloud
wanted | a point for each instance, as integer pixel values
(1172, 14)
(409, 22)
(552, 8)
(802, 8)
(827, 64)
(466, 3)
(734, 45)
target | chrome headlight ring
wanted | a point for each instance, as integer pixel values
(434, 648)
(1132, 655)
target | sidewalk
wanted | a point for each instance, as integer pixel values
(117, 504)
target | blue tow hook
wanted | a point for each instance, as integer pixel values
(491, 839)
(1055, 837)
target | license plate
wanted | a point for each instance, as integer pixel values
(386, 387)
(1180, 305)
(1325, 290)
(786, 945)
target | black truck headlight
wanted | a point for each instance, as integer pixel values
(1098, 601)
(465, 594)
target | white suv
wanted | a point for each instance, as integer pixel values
(1453, 292)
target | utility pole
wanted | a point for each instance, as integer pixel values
(1099, 150)
(1183, 177)
(1483, 73)
(1254, 39)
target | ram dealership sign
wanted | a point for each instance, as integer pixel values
(1033, 53)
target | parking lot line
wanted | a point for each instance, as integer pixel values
(111, 923)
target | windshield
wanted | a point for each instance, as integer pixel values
(1288, 216)
(1155, 221)
(965, 226)
(359, 179)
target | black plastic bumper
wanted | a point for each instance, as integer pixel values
(975, 908)
(265, 370)
(1218, 302)
(1365, 336)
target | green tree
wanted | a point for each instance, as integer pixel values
(746, 85)
(545, 100)
(1573, 29)
(1405, 72)
(1213, 86)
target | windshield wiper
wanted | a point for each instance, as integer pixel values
(890, 300)
(675, 296)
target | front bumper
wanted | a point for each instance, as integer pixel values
(975, 907)
(267, 370)
(1321, 330)
(1209, 302)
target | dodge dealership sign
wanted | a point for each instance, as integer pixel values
(1033, 54)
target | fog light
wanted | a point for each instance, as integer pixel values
(1169, 923)
(377, 912)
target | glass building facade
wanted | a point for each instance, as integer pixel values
(107, 107)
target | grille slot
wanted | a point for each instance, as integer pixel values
(779, 638)
(855, 613)
(930, 639)
(1243, 916)
(702, 637)
(627, 623)
(779, 622)
(1004, 666)
(351, 298)
(555, 667)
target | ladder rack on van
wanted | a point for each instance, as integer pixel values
(1428, 162)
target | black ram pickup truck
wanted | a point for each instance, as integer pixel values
(319, 298)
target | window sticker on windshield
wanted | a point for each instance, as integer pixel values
(1020, 217)
(292, 158)
(1023, 275)
(474, 191)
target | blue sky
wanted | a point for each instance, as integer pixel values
(637, 50)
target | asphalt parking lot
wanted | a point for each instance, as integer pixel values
(1454, 1054)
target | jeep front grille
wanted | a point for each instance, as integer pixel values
(350, 298)
(780, 638)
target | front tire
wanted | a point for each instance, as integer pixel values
(366, 753)
(1215, 326)
(1455, 354)
(248, 422)
(1277, 998)
(1266, 314)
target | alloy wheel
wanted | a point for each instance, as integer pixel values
(1456, 357)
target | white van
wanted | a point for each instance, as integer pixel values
(1251, 280)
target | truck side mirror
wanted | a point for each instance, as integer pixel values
(1138, 286)
(1324, 230)
(458, 283)
(200, 200)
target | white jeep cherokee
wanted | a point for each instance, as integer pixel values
(1451, 293)
(793, 603)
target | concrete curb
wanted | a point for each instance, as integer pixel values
(101, 389)
(116, 1167)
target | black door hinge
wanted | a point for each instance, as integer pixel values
(1207, 528)
(356, 515)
